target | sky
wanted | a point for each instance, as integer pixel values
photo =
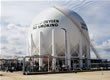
(16, 17)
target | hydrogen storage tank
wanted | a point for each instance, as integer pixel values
(62, 21)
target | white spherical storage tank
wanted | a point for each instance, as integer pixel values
(62, 28)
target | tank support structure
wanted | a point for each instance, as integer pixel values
(53, 51)
(80, 54)
(88, 57)
(67, 50)
(40, 50)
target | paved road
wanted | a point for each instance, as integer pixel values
(97, 75)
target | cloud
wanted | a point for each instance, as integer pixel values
(15, 20)
(103, 49)
(13, 40)
(22, 12)
(105, 46)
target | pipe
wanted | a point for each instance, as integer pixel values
(67, 49)
(40, 50)
(80, 54)
(88, 56)
(24, 65)
(53, 51)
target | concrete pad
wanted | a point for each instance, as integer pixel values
(96, 75)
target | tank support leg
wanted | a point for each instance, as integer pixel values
(24, 65)
(80, 55)
(68, 52)
(88, 56)
(40, 50)
(67, 49)
(53, 51)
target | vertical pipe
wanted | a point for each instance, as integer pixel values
(80, 54)
(31, 46)
(66, 63)
(28, 49)
(88, 56)
(40, 50)
(24, 65)
(53, 51)
(68, 51)
(48, 63)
